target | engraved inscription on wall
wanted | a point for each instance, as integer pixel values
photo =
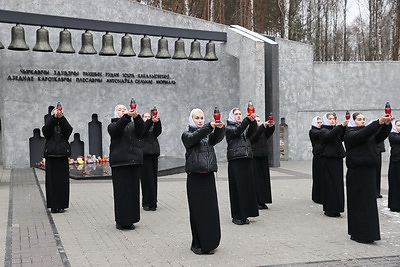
(72, 76)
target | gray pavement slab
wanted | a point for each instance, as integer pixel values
(292, 232)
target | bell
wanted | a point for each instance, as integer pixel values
(163, 49)
(87, 44)
(126, 47)
(18, 39)
(108, 46)
(179, 50)
(210, 52)
(65, 45)
(145, 47)
(195, 51)
(42, 41)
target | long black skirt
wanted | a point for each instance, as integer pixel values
(126, 194)
(332, 175)
(394, 186)
(262, 180)
(204, 212)
(57, 182)
(148, 179)
(362, 210)
(242, 192)
(317, 192)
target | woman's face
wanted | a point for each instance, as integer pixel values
(146, 116)
(331, 119)
(237, 115)
(398, 125)
(258, 120)
(319, 123)
(198, 118)
(360, 120)
(121, 110)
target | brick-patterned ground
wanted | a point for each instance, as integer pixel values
(293, 232)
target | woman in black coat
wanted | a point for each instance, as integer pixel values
(332, 155)
(317, 185)
(242, 193)
(394, 168)
(151, 151)
(57, 131)
(262, 179)
(201, 163)
(126, 159)
(361, 160)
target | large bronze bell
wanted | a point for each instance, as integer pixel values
(210, 52)
(145, 47)
(126, 47)
(87, 44)
(195, 53)
(18, 39)
(108, 46)
(42, 41)
(65, 45)
(163, 48)
(179, 50)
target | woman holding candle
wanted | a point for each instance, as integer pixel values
(151, 151)
(259, 144)
(394, 168)
(201, 163)
(242, 195)
(126, 158)
(332, 155)
(57, 149)
(361, 160)
(317, 186)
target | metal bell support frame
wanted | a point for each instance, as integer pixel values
(163, 48)
(195, 53)
(108, 46)
(179, 50)
(65, 44)
(210, 52)
(145, 47)
(42, 41)
(126, 47)
(18, 39)
(87, 44)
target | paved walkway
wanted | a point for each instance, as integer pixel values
(292, 232)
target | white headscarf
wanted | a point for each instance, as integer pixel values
(115, 112)
(325, 120)
(352, 123)
(231, 117)
(314, 121)
(394, 129)
(191, 121)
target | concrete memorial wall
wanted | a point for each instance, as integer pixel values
(32, 81)
(309, 88)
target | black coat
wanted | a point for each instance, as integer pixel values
(361, 144)
(317, 147)
(199, 143)
(149, 140)
(238, 138)
(331, 140)
(57, 132)
(394, 140)
(125, 147)
(259, 141)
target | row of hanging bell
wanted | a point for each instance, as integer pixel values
(65, 45)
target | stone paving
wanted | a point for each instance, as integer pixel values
(292, 232)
